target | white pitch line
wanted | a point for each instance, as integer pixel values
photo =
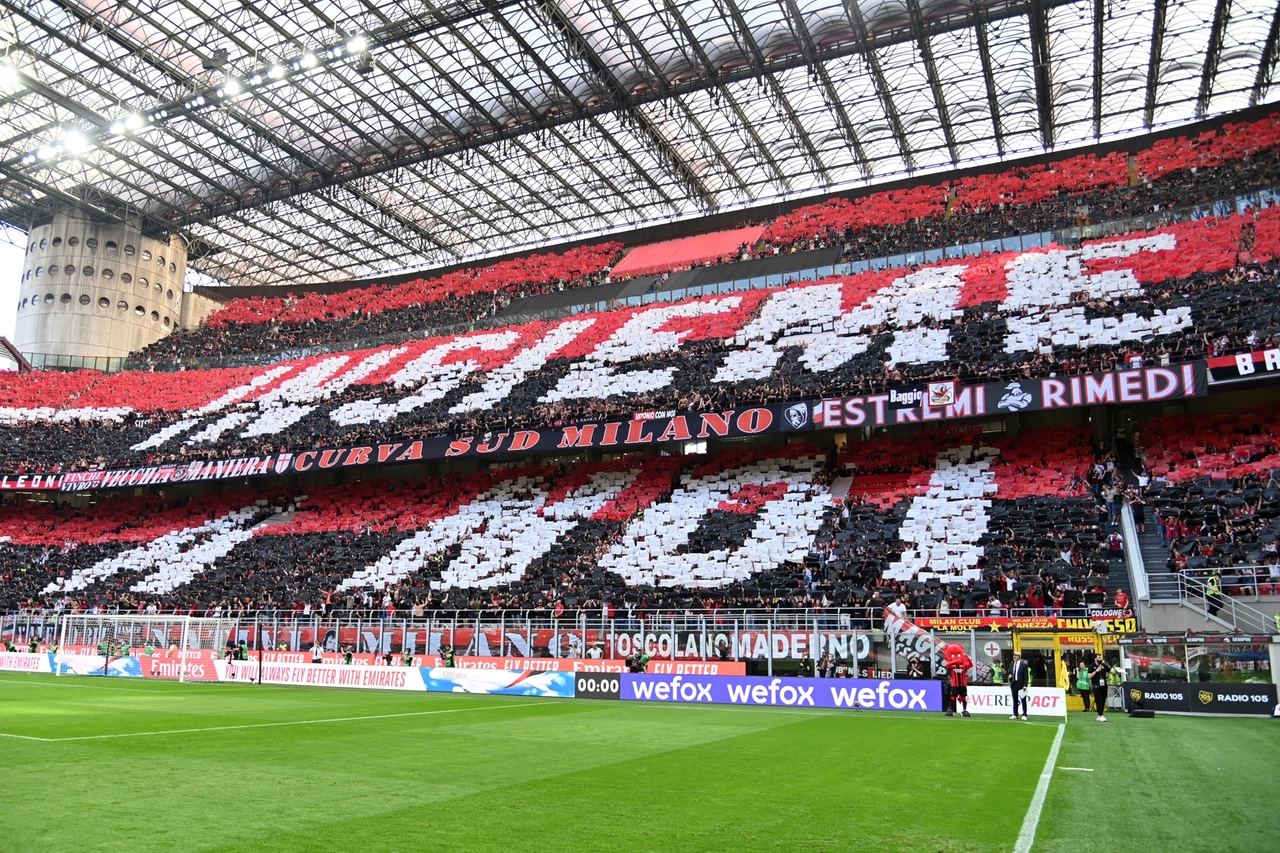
(1027, 836)
(1081, 769)
(270, 725)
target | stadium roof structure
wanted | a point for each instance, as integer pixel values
(296, 141)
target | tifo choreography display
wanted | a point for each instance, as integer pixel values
(943, 509)
(877, 333)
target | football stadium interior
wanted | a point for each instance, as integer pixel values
(796, 424)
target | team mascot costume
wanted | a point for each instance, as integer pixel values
(958, 665)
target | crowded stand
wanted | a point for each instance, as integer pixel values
(943, 520)
(264, 325)
(1172, 173)
(1000, 530)
(1214, 493)
(1187, 291)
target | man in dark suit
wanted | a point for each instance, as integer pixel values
(1018, 675)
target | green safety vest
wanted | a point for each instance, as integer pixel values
(997, 675)
(1215, 585)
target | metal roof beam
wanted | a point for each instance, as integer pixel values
(593, 121)
(1221, 12)
(931, 71)
(988, 76)
(868, 52)
(865, 45)
(692, 44)
(665, 153)
(1266, 62)
(781, 103)
(829, 90)
(1099, 32)
(1153, 66)
(1038, 17)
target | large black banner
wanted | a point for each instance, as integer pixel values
(1157, 696)
(932, 401)
(1205, 697)
(946, 401)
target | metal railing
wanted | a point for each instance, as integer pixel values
(1227, 606)
(756, 637)
(53, 361)
(1133, 556)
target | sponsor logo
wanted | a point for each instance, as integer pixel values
(1135, 695)
(797, 415)
(788, 692)
(1206, 696)
(1014, 398)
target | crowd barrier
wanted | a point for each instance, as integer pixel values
(1207, 697)
(596, 679)
(710, 684)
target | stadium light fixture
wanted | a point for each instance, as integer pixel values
(218, 59)
(74, 143)
(357, 47)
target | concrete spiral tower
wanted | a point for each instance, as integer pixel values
(97, 289)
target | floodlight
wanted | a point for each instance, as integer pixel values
(308, 60)
(277, 72)
(75, 142)
(357, 44)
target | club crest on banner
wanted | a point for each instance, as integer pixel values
(1015, 398)
(942, 393)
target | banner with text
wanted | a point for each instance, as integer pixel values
(1041, 701)
(924, 402)
(859, 693)
(1201, 697)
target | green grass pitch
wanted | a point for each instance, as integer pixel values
(92, 764)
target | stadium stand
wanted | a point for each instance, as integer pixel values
(1193, 289)
(1215, 491)
(1006, 527)
(1172, 173)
